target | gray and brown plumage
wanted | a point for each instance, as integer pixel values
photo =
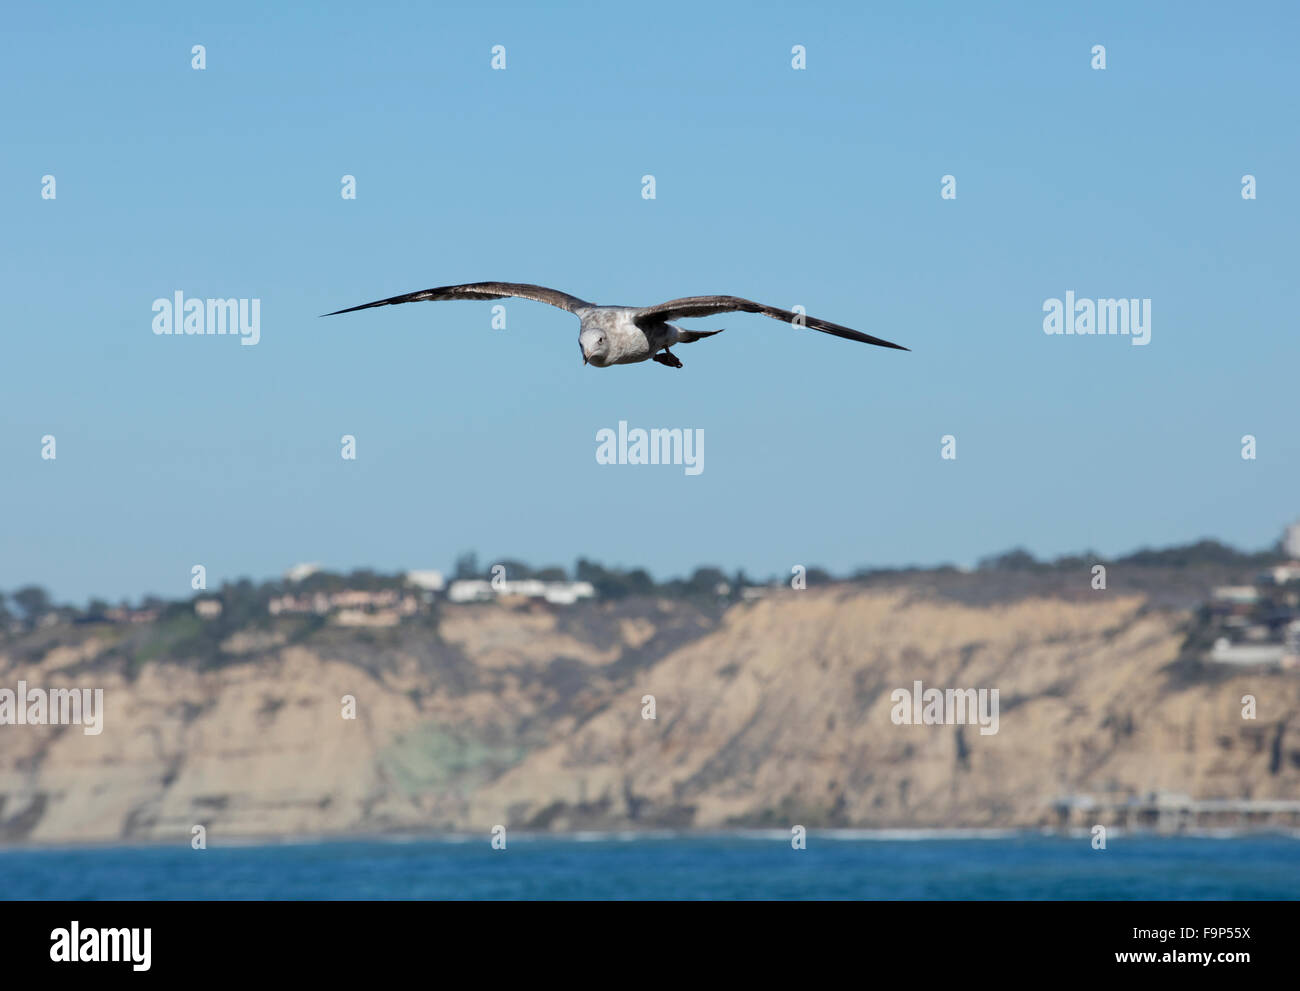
(621, 335)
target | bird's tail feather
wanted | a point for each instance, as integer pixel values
(689, 336)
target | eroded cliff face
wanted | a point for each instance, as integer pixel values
(778, 712)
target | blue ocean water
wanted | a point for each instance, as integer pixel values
(734, 866)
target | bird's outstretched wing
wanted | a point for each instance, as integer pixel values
(703, 306)
(480, 290)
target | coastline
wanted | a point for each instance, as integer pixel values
(887, 835)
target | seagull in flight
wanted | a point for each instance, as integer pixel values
(621, 335)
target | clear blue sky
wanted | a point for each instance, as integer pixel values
(817, 187)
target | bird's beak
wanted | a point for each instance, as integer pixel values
(584, 359)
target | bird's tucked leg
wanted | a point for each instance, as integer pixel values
(666, 357)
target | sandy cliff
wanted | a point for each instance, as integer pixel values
(777, 712)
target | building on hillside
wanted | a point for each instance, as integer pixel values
(564, 593)
(1291, 643)
(429, 581)
(527, 588)
(360, 617)
(128, 615)
(470, 590)
(350, 598)
(567, 593)
(1291, 541)
(1227, 652)
(1236, 595)
(207, 608)
(1281, 574)
(300, 571)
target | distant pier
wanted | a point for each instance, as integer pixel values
(1167, 812)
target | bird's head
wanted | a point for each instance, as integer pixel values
(595, 347)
